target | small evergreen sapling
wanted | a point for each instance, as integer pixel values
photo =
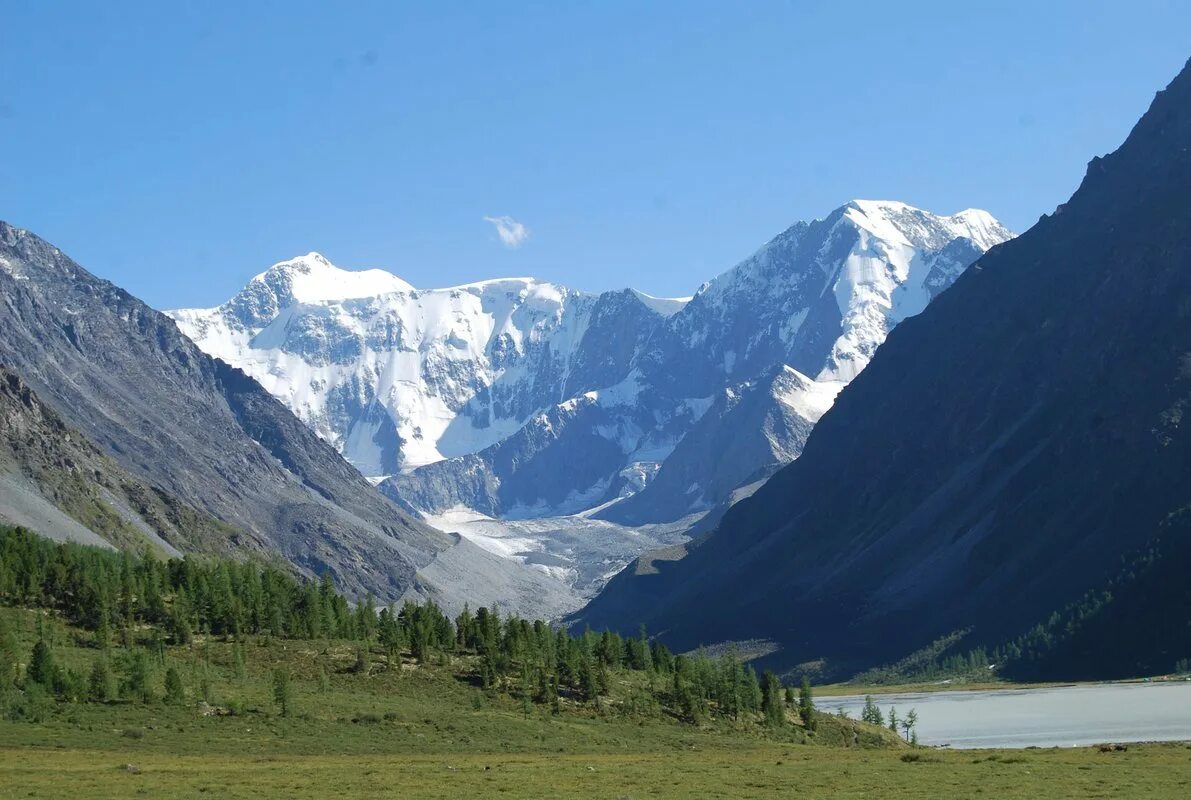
(282, 693)
(175, 694)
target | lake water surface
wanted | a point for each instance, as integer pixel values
(1064, 716)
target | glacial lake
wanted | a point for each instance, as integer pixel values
(1063, 716)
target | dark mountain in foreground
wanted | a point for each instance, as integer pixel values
(1003, 454)
(190, 428)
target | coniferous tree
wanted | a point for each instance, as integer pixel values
(910, 726)
(773, 702)
(179, 623)
(871, 714)
(101, 685)
(282, 692)
(42, 670)
(175, 694)
(137, 682)
(806, 705)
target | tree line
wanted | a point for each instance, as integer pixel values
(118, 595)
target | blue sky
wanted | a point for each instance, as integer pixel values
(177, 149)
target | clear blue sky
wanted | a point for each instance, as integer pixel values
(179, 148)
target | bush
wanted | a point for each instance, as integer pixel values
(919, 758)
(35, 704)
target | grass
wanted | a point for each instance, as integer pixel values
(708, 770)
(427, 731)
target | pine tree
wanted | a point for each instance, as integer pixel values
(136, 683)
(103, 628)
(806, 705)
(910, 726)
(175, 694)
(871, 714)
(645, 660)
(282, 693)
(893, 718)
(101, 686)
(773, 702)
(42, 670)
(179, 624)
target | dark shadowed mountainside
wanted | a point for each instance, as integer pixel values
(1001, 456)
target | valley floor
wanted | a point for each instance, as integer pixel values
(708, 770)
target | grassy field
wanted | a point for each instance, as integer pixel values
(429, 731)
(706, 768)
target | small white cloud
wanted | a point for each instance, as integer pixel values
(510, 231)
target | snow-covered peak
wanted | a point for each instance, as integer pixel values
(982, 227)
(313, 279)
(900, 223)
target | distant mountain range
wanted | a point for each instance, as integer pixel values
(525, 399)
(1012, 469)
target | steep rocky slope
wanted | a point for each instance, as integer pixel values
(54, 481)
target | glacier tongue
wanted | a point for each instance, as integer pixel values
(521, 396)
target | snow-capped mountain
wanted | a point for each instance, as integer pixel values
(517, 397)
(396, 377)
